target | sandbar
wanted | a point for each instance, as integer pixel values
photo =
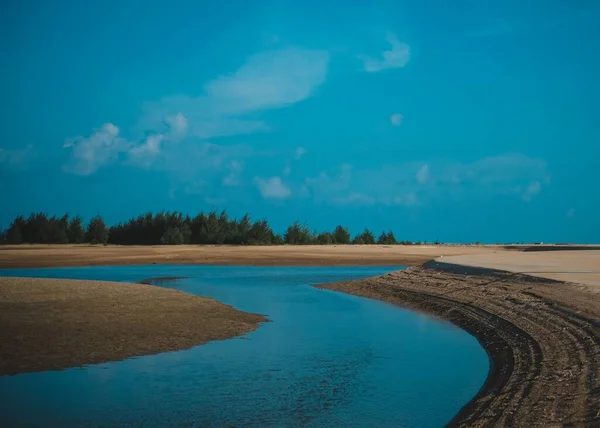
(53, 324)
(542, 337)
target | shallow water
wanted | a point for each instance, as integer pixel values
(327, 359)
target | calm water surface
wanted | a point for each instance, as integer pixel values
(326, 360)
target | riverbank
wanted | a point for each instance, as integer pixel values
(53, 324)
(542, 337)
(28, 256)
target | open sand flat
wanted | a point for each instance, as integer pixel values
(50, 324)
(24, 256)
(574, 266)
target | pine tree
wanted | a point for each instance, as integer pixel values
(341, 235)
(75, 232)
(96, 232)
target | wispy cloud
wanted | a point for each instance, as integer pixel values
(233, 177)
(413, 183)
(16, 157)
(178, 124)
(273, 188)
(396, 119)
(532, 189)
(268, 80)
(423, 174)
(396, 57)
(96, 150)
(106, 145)
(300, 151)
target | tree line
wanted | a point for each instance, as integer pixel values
(174, 228)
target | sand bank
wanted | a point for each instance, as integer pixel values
(542, 337)
(50, 324)
(24, 256)
(581, 267)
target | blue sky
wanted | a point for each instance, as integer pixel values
(459, 121)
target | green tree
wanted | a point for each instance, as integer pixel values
(97, 232)
(14, 234)
(366, 237)
(387, 238)
(75, 232)
(297, 234)
(325, 238)
(341, 235)
(172, 236)
(186, 233)
(261, 234)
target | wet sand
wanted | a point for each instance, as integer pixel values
(542, 337)
(25, 256)
(53, 324)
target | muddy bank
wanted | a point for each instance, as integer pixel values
(542, 337)
(52, 324)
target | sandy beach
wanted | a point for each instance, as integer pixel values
(24, 256)
(542, 335)
(53, 324)
(537, 314)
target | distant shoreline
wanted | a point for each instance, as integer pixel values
(542, 337)
(34, 256)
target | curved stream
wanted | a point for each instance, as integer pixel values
(327, 359)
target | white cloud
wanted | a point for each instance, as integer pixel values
(268, 80)
(533, 189)
(90, 153)
(178, 123)
(423, 174)
(300, 151)
(287, 170)
(233, 178)
(17, 157)
(403, 183)
(149, 148)
(273, 188)
(396, 119)
(105, 145)
(396, 57)
(571, 213)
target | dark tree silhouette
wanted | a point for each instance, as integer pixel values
(173, 228)
(97, 232)
(366, 237)
(387, 238)
(341, 235)
(297, 234)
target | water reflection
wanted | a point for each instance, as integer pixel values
(326, 359)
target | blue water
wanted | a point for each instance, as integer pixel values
(327, 359)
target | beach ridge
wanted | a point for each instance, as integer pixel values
(542, 337)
